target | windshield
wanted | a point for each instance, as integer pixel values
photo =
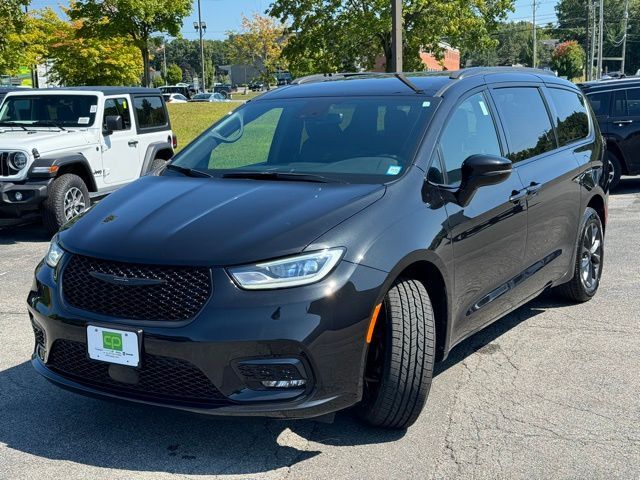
(49, 110)
(359, 140)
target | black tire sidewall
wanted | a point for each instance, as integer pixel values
(53, 206)
(614, 161)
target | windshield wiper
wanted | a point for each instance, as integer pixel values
(271, 175)
(48, 123)
(13, 124)
(189, 172)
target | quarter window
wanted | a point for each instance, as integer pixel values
(470, 131)
(150, 112)
(526, 122)
(573, 121)
(600, 103)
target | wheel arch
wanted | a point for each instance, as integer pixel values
(598, 204)
(54, 167)
(428, 269)
(612, 146)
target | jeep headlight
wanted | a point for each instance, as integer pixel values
(18, 160)
(287, 272)
(54, 254)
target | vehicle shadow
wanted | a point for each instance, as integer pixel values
(42, 420)
(627, 185)
(26, 233)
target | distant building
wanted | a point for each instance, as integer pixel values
(450, 61)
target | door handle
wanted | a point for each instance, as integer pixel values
(133, 143)
(517, 195)
(532, 189)
(623, 122)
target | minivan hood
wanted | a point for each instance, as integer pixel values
(209, 221)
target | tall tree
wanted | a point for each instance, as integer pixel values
(12, 25)
(568, 59)
(259, 42)
(346, 34)
(174, 74)
(136, 19)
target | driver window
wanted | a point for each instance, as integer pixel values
(117, 106)
(470, 131)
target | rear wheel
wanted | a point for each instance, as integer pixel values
(399, 365)
(588, 262)
(157, 164)
(68, 197)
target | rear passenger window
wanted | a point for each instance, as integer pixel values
(573, 121)
(150, 112)
(470, 131)
(633, 102)
(600, 103)
(526, 122)
(620, 103)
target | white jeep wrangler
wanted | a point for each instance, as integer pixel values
(60, 148)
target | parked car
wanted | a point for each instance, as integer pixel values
(183, 90)
(223, 89)
(174, 98)
(60, 148)
(208, 97)
(616, 104)
(323, 245)
(256, 86)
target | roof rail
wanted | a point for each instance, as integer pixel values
(327, 77)
(471, 71)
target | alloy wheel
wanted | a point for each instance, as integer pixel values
(74, 203)
(591, 257)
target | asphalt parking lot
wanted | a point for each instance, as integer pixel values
(551, 391)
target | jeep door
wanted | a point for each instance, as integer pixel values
(152, 119)
(624, 125)
(489, 234)
(120, 152)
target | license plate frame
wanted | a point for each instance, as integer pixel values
(119, 346)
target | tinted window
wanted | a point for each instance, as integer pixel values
(620, 103)
(633, 102)
(470, 131)
(117, 106)
(573, 120)
(150, 112)
(600, 103)
(526, 122)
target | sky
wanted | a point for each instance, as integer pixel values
(222, 16)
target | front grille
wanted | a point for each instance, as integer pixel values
(270, 372)
(39, 334)
(160, 378)
(182, 293)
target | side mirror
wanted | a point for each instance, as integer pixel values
(113, 123)
(479, 171)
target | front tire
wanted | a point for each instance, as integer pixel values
(400, 359)
(615, 170)
(68, 198)
(588, 262)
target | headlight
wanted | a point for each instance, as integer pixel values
(54, 254)
(18, 160)
(287, 272)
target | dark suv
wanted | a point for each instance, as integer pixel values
(616, 104)
(323, 245)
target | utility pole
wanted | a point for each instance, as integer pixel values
(625, 23)
(600, 39)
(201, 27)
(588, 69)
(164, 61)
(396, 35)
(592, 56)
(535, 43)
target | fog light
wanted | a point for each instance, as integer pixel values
(283, 383)
(18, 196)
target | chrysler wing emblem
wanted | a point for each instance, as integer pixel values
(134, 282)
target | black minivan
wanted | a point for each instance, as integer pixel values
(322, 246)
(616, 104)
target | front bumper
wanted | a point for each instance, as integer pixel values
(320, 329)
(32, 194)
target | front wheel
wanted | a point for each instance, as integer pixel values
(588, 262)
(400, 359)
(615, 170)
(68, 198)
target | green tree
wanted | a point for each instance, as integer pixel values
(135, 19)
(345, 34)
(174, 74)
(12, 25)
(568, 59)
(259, 43)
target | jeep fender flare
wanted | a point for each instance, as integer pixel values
(41, 168)
(155, 148)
